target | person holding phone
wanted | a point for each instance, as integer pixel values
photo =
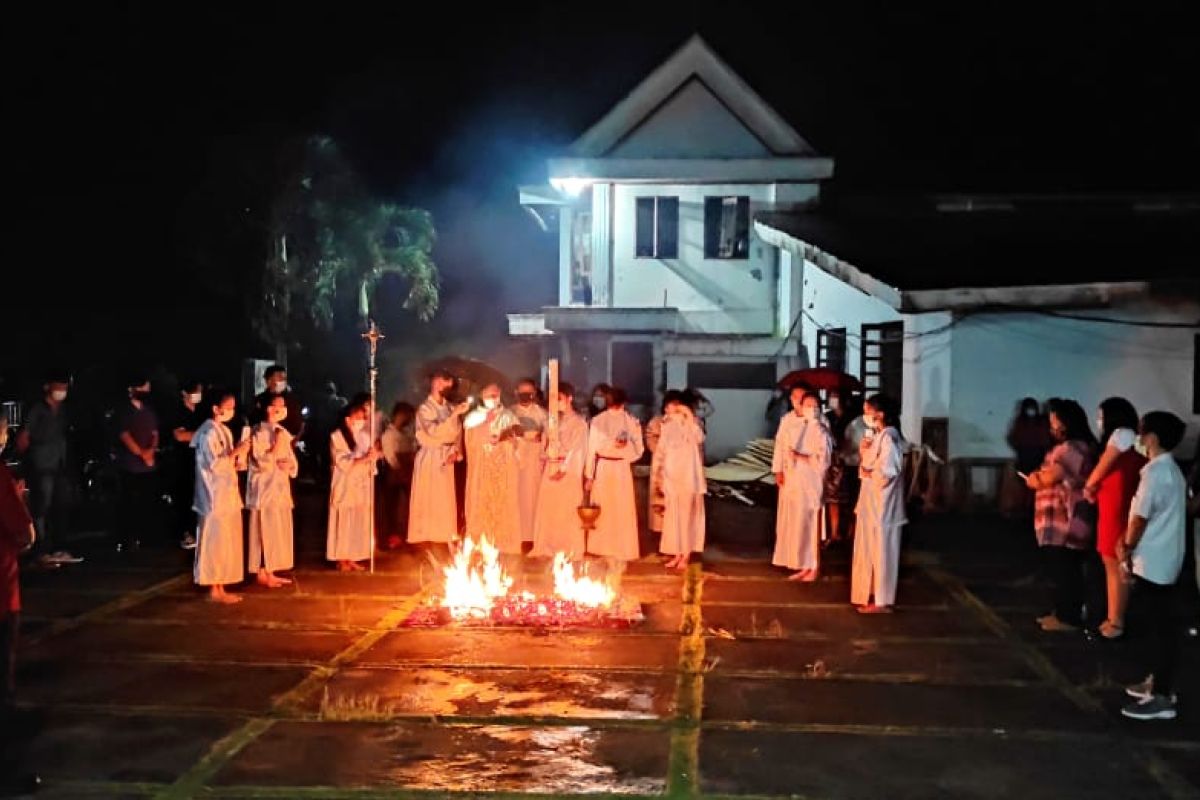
(433, 509)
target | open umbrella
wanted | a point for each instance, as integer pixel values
(821, 379)
(471, 373)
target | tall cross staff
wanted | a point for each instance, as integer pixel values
(372, 336)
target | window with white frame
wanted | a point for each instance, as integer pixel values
(727, 227)
(657, 227)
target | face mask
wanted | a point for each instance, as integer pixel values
(281, 415)
(59, 395)
(490, 403)
(224, 416)
(808, 412)
(834, 404)
(1031, 412)
(195, 398)
(525, 397)
(599, 401)
(1140, 446)
(358, 424)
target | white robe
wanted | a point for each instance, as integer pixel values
(269, 498)
(533, 419)
(616, 533)
(218, 502)
(433, 507)
(679, 466)
(557, 528)
(880, 516)
(492, 483)
(349, 532)
(799, 516)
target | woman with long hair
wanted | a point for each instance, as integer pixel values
(1057, 517)
(1111, 486)
(880, 510)
(353, 455)
(217, 500)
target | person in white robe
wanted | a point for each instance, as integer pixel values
(530, 453)
(614, 444)
(398, 445)
(433, 508)
(273, 465)
(803, 448)
(353, 457)
(492, 433)
(678, 466)
(218, 501)
(880, 510)
(557, 527)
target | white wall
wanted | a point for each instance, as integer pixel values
(833, 304)
(715, 295)
(998, 358)
(927, 365)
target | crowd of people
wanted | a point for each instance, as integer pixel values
(477, 467)
(1110, 515)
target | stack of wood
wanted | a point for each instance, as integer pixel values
(750, 465)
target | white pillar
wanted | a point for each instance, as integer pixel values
(602, 203)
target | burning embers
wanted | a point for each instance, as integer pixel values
(477, 591)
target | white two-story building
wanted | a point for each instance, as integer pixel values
(696, 249)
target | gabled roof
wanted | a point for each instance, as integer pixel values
(694, 61)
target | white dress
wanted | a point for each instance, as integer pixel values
(616, 533)
(880, 516)
(492, 492)
(349, 532)
(557, 528)
(433, 508)
(803, 448)
(532, 418)
(218, 502)
(269, 498)
(679, 466)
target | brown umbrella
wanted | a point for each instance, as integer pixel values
(821, 379)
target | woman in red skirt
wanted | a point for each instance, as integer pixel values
(1111, 487)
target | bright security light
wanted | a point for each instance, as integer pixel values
(571, 186)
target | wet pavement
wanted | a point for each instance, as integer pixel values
(737, 683)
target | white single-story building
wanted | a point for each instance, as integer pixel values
(697, 249)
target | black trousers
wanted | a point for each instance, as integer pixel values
(9, 626)
(137, 513)
(1152, 608)
(1064, 569)
(47, 500)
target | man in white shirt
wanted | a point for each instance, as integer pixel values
(1152, 549)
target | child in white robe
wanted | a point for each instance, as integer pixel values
(880, 510)
(678, 464)
(803, 448)
(557, 527)
(433, 509)
(353, 455)
(269, 496)
(218, 501)
(614, 444)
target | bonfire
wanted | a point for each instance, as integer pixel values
(476, 590)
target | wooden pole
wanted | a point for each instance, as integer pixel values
(553, 443)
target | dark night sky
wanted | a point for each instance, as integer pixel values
(122, 121)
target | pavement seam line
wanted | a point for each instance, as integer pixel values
(683, 778)
(1173, 784)
(122, 603)
(192, 781)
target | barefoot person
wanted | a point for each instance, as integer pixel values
(880, 510)
(269, 496)
(433, 511)
(614, 443)
(557, 527)
(492, 434)
(679, 464)
(353, 455)
(530, 450)
(803, 448)
(218, 501)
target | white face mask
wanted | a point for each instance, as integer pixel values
(358, 425)
(1140, 446)
(808, 412)
(599, 402)
(224, 415)
(491, 402)
(195, 398)
(59, 395)
(279, 387)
